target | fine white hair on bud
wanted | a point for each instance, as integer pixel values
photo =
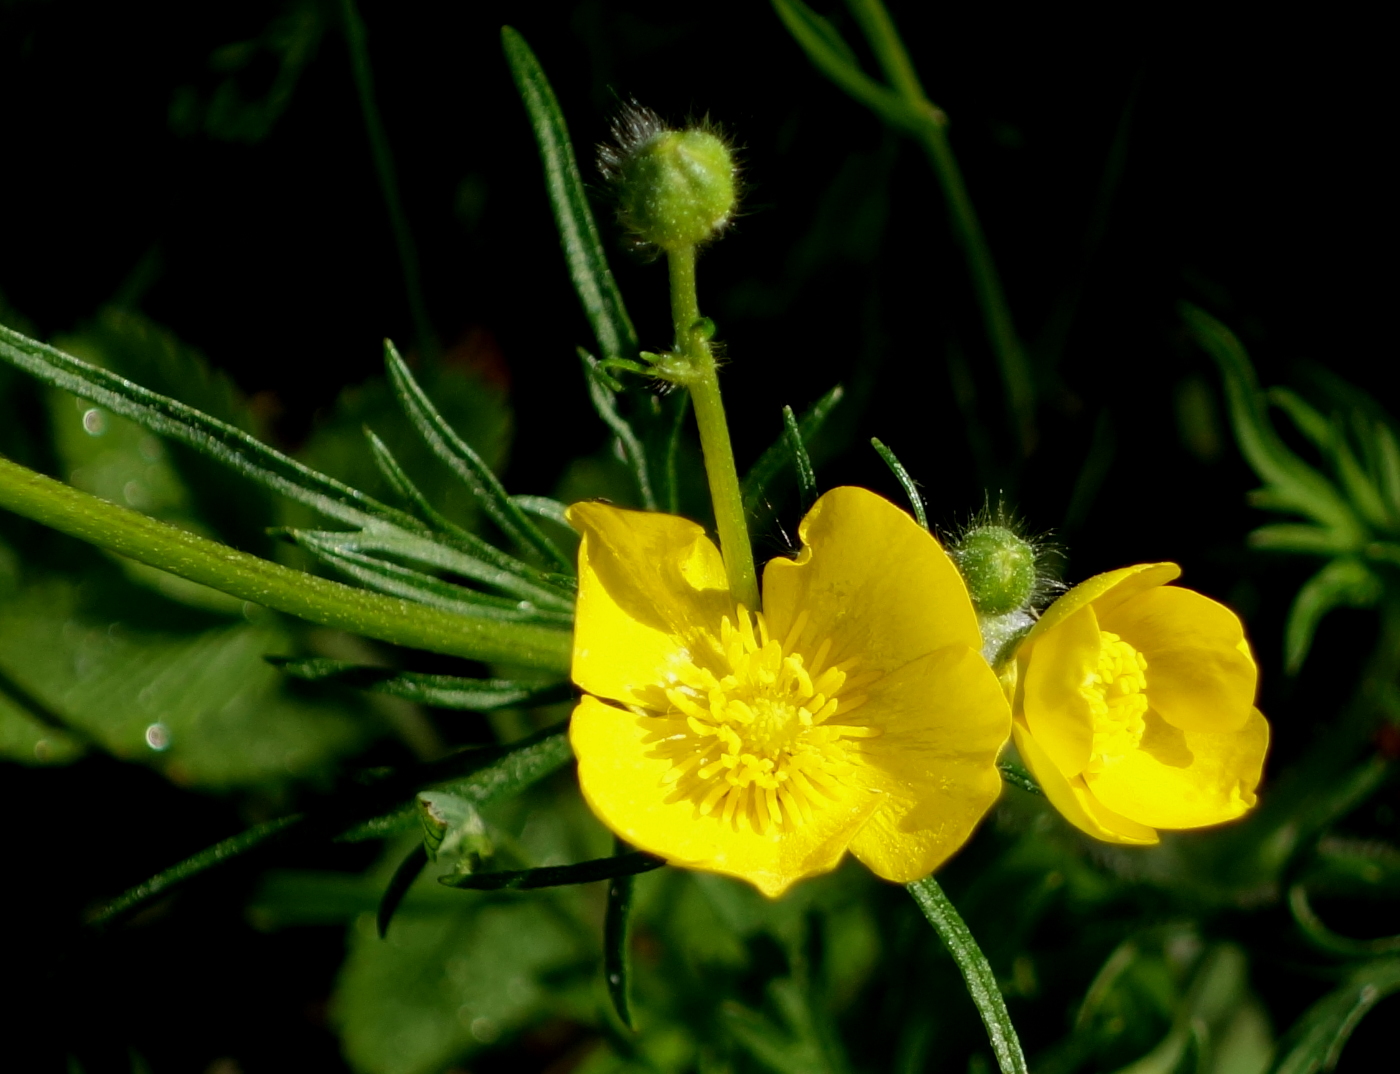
(674, 188)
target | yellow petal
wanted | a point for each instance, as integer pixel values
(871, 581)
(1053, 699)
(620, 773)
(1186, 779)
(1105, 591)
(943, 719)
(1073, 798)
(651, 591)
(1200, 676)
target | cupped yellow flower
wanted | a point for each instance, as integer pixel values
(854, 712)
(1134, 707)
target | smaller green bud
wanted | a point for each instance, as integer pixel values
(674, 188)
(999, 568)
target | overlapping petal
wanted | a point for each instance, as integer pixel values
(1190, 753)
(871, 612)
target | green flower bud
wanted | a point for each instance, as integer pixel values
(674, 188)
(999, 568)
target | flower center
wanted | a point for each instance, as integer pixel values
(1117, 701)
(754, 743)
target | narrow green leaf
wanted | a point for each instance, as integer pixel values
(543, 507)
(906, 482)
(501, 773)
(399, 481)
(440, 691)
(473, 559)
(260, 581)
(1298, 537)
(1343, 583)
(605, 403)
(1316, 1040)
(399, 581)
(466, 463)
(217, 439)
(814, 34)
(1361, 491)
(233, 848)
(1294, 485)
(977, 973)
(1388, 466)
(801, 462)
(369, 810)
(583, 249)
(779, 455)
(615, 939)
(553, 876)
(1308, 419)
(1324, 938)
(408, 871)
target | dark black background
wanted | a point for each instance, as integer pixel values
(1253, 184)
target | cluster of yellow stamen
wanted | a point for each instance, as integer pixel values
(750, 734)
(1117, 701)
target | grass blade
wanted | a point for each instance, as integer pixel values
(217, 439)
(440, 691)
(554, 876)
(977, 973)
(1315, 1042)
(801, 462)
(466, 463)
(578, 233)
(366, 811)
(779, 454)
(615, 938)
(605, 403)
(906, 482)
(501, 773)
(400, 581)
(408, 871)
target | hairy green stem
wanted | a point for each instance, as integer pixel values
(358, 45)
(977, 972)
(271, 585)
(693, 344)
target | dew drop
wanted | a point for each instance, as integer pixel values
(158, 737)
(94, 422)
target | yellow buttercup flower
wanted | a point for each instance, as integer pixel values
(1134, 707)
(854, 712)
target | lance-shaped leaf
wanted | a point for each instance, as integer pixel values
(1315, 1042)
(368, 810)
(616, 933)
(779, 454)
(801, 461)
(605, 403)
(502, 774)
(578, 233)
(406, 582)
(1343, 583)
(466, 463)
(474, 559)
(440, 691)
(1324, 938)
(1293, 484)
(905, 481)
(554, 876)
(543, 507)
(217, 439)
(408, 871)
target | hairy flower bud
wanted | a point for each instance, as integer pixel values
(674, 188)
(999, 568)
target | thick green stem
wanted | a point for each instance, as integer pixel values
(692, 343)
(977, 972)
(271, 585)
